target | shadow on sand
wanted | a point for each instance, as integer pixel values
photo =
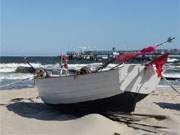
(39, 111)
(172, 106)
(44, 112)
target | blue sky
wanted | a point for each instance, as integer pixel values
(50, 27)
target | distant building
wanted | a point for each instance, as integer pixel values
(105, 54)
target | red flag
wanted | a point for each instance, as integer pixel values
(148, 49)
(159, 62)
(65, 61)
(126, 56)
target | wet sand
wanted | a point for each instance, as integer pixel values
(22, 112)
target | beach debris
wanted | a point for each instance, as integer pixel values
(31, 99)
(116, 134)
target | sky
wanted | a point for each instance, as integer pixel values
(51, 27)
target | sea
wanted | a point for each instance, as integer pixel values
(10, 79)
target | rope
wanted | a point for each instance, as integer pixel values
(6, 85)
(116, 66)
(171, 85)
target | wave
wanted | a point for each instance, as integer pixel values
(17, 80)
(11, 67)
(14, 76)
(7, 71)
(171, 60)
(172, 75)
(16, 84)
(8, 74)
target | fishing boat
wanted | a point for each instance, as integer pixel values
(118, 88)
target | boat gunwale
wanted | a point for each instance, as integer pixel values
(75, 75)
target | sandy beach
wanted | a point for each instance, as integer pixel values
(23, 113)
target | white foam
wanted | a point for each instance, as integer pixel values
(14, 76)
(11, 67)
(172, 75)
(172, 60)
(7, 71)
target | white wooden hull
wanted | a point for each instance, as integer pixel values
(90, 87)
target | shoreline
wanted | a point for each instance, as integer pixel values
(23, 108)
